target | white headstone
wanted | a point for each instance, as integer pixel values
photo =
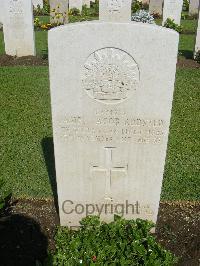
(115, 10)
(145, 1)
(1, 13)
(197, 46)
(86, 2)
(194, 7)
(18, 28)
(59, 11)
(37, 3)
(172, 9)
(110, 140)
(76, 4)
(156, 7)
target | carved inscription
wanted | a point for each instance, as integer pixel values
(113, 126)
(16, 8)
(114, 6)
(110, 75)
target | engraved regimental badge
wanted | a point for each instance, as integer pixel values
(110, 75)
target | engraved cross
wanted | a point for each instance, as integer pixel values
(109, 169)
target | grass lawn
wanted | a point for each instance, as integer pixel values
(26, 138)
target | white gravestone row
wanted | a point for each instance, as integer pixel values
(37, 3)
(156, 7)
(18, 28)
(59, 11)
(194, 7)
(197, 46)
(115, 10)
(110, 140)
(76, 4)
(172, 9)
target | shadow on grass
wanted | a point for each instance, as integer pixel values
(22, 241)
(48, 151)
(187, 54)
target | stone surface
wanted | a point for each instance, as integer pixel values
(111, 94)
(37, 3)
(76, 4)
(197, 45)
(18, 28)
(172, 9)
(115, 10)
(156, 7)
(1, 14)
(145, 1)
(86, 2)
(59, 11)
(194, 7)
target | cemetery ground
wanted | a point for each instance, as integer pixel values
(28, 160)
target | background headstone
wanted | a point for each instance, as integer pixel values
(59, 11)
(172, 9)
(197, 45)
(18, 28)
(76, 4)
(194, 7)
(110, 140)
(86, 2)
(112, 10)
(145, 1)
(156, 7)
(1, 13)
(37, 3)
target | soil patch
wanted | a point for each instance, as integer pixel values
(27, 232)
(7, 60)
(187, 63)
(179, 230)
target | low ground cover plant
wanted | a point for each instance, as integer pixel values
(169, 23)
(143, 16)
(120, 242)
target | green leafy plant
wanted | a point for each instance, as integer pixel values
(169, 23)
(136, 6)
(74, 12)
(197, 57)
(186, 4)
(120, 242)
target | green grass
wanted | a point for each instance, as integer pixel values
(43, 19)
(182, 170)
(189, 25)
(25, 120)
(186, 45)
(26, 141)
